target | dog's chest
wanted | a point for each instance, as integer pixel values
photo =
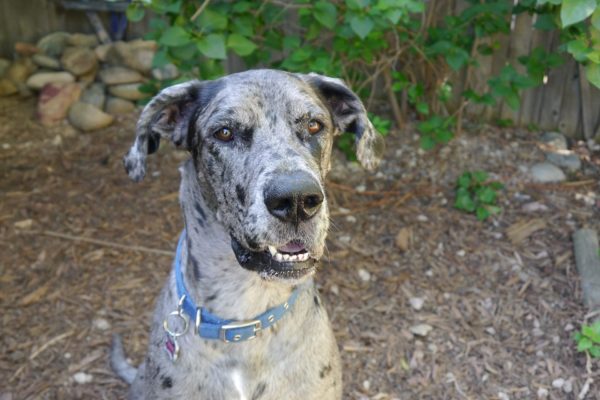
(299, 353)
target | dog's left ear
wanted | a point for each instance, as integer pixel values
(349, 115)
(168, 115)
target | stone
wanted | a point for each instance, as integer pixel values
(119, 75)
(54, 102)
(87, 117)
(4, 64)
(128, 91)
(421, 329)
(167, 72)
(102, 324)
(94, 95)
(7, 87)
(26, 49)
(364, 275)
(558, 383)
(46, 61)
(554, 141)
(566, 159)
(117, 106)
(546, 173)
(89, 76)
(38, 80)
(83, 378)
(79, 60)
(82, 39)
(102, 51)
(135, 55)
(416, 303)
(19, 71)
(141, 44)
(404, 239)
(53, 44)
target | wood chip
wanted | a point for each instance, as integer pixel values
(521, 230)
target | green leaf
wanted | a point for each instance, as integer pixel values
(422, 108)
(426, 142)
(595, 351)
(174, 36)
(135, 12)
(574, 11)
(160, 58)
(579, 48)
(590, 333)
(584, 344)
(464, 181)
(213, 46)
(361, 25)
(496, 185)
(464, 200)
(486, 195)
(480, 176)
(241, 7)
(241, 45)
(592, 72)
(596, 18)
(482, 213)
(211, 21)
(325, 13)
(545, 22)
(493, 209)
(457, 58)
(184, 53)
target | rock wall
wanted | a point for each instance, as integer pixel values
(77, 78)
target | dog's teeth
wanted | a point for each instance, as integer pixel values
(303, 256)
(279, 257)
(286, 257)
(293, 258)
(272, 250)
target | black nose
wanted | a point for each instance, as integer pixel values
(293, 197)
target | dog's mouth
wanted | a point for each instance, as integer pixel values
(290, 261)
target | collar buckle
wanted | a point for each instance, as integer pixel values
(255, 324)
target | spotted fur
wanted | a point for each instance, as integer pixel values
(222, 197)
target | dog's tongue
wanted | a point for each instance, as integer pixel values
(292, 247)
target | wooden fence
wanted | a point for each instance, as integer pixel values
(566, 102)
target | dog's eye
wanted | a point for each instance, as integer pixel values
(314, 127)
(224, 134)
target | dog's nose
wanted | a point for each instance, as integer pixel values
(293, 197)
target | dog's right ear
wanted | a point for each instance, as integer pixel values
(167, 115)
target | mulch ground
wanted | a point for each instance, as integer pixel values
(78, 262)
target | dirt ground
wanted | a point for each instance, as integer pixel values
(502, 313)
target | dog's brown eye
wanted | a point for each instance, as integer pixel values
(314, 127)
(224, 134)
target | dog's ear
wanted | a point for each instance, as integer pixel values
(168, 115)
(349, 115)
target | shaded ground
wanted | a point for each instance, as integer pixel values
(501, 313)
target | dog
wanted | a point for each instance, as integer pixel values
(256, 218)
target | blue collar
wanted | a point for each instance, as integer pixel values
(209, 326)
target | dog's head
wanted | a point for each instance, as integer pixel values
(261, 143)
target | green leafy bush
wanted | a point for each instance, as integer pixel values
(474, 194)
(399, 48)
(588, 339)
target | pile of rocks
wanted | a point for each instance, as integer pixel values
(558, 158)
(77, 78)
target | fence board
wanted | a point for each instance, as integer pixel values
(551, 98)
(519, 46)
(570, 109)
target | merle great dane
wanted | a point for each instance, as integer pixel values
(256, 218)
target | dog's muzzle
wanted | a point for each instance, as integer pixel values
(293, 198)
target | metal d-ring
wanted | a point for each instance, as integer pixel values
(177, 313)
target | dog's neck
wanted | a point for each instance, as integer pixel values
(212, 274)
